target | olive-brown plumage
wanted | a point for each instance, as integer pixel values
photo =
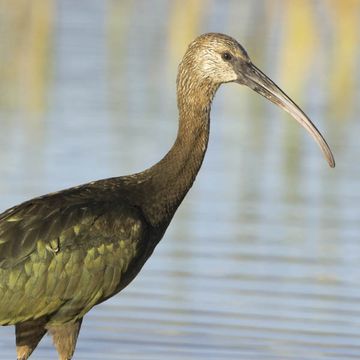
(63, 253)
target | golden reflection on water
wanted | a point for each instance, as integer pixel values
(26, 35)
(308, 30)
(261, 261)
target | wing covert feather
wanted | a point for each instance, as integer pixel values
(62, 260)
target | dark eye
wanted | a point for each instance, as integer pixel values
(226, 56)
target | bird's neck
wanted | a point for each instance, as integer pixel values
(168, 181)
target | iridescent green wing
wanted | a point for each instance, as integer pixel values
(59, 258)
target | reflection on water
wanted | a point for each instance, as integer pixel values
(262, 259)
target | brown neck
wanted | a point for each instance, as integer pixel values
(166, 183)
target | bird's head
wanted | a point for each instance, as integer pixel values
(213, 59)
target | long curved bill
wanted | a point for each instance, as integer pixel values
(259, 82)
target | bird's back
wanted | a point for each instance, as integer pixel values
(65, 252)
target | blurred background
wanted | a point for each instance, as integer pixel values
(262, 260)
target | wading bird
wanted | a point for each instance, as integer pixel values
(63, 253)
